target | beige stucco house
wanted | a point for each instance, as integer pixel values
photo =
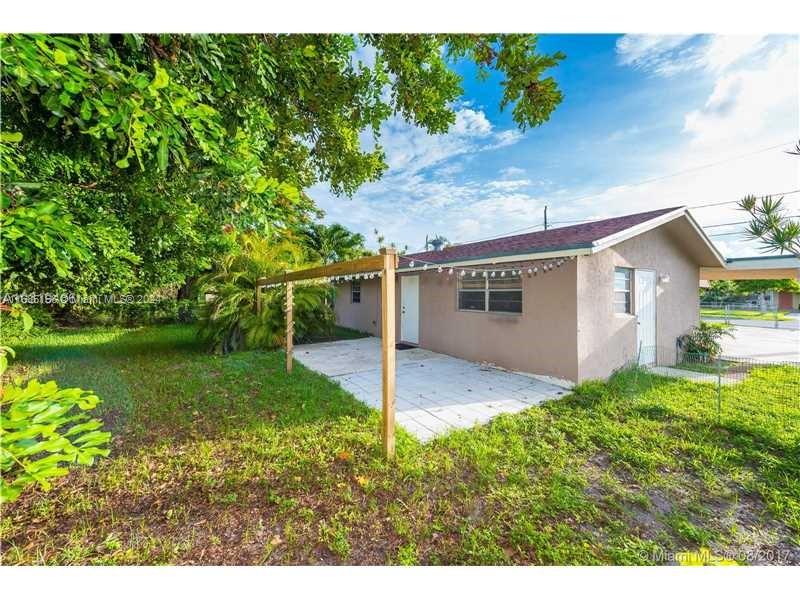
(573, 302)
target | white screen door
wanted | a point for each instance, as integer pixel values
(409, 309)
(646, 316)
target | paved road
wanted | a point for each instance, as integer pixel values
(777, 345)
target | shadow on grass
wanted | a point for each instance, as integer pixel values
(159, 383)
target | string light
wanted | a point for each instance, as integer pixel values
(411, 264)
(532, 268)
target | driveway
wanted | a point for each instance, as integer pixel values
(773, 345)
(435, 393)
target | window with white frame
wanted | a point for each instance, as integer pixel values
(355, 292)
(622, 290)
(501, 293)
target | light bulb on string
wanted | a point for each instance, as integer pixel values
(411, 264)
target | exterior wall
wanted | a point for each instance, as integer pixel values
(541, 340)
(364, 316)
(788, 301)
(606, 340)
(567, 327)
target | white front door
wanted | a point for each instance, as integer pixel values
(409, 309)
(645, 288)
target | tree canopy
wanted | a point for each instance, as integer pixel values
(140, 151)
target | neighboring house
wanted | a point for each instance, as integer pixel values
(574, 302)
(760, 267)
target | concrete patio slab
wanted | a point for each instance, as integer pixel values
(435, 393)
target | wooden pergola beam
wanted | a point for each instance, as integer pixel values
(386, 263)
(359, 265)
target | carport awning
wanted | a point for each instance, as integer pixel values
(755, 267)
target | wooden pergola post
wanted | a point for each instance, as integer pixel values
(386, 264)
(388, 351)
(289, 326)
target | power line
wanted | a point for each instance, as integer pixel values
(661, 178)
(580, 221)
(741, 222)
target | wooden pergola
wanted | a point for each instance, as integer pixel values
(385, 264)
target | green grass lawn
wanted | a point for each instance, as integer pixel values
(226, 460)
(719, 313)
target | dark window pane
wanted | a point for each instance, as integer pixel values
(355, 292)
(468, 300)
(505, 302)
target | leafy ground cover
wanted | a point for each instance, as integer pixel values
(757, 315)
(226, 460)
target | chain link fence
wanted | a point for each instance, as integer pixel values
(750, 314)
(729, 376)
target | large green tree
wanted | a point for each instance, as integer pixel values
(143, 149)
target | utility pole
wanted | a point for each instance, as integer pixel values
(545, 218)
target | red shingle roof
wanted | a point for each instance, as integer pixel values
(562, 238)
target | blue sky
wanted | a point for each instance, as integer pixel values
(636, 107)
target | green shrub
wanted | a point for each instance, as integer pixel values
(705, 339)
(229, 320)
(44, 428)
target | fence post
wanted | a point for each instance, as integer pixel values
(727, 319)
(776, 316)
(719, 390)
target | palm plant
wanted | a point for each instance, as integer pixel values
(334, 243)
(228, 319)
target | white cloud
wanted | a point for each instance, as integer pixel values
(746, 102)
(508, 184)
(471, 123)
(652, 52)
(669, 55)
(511, 172)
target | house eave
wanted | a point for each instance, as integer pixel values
(494, 259)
